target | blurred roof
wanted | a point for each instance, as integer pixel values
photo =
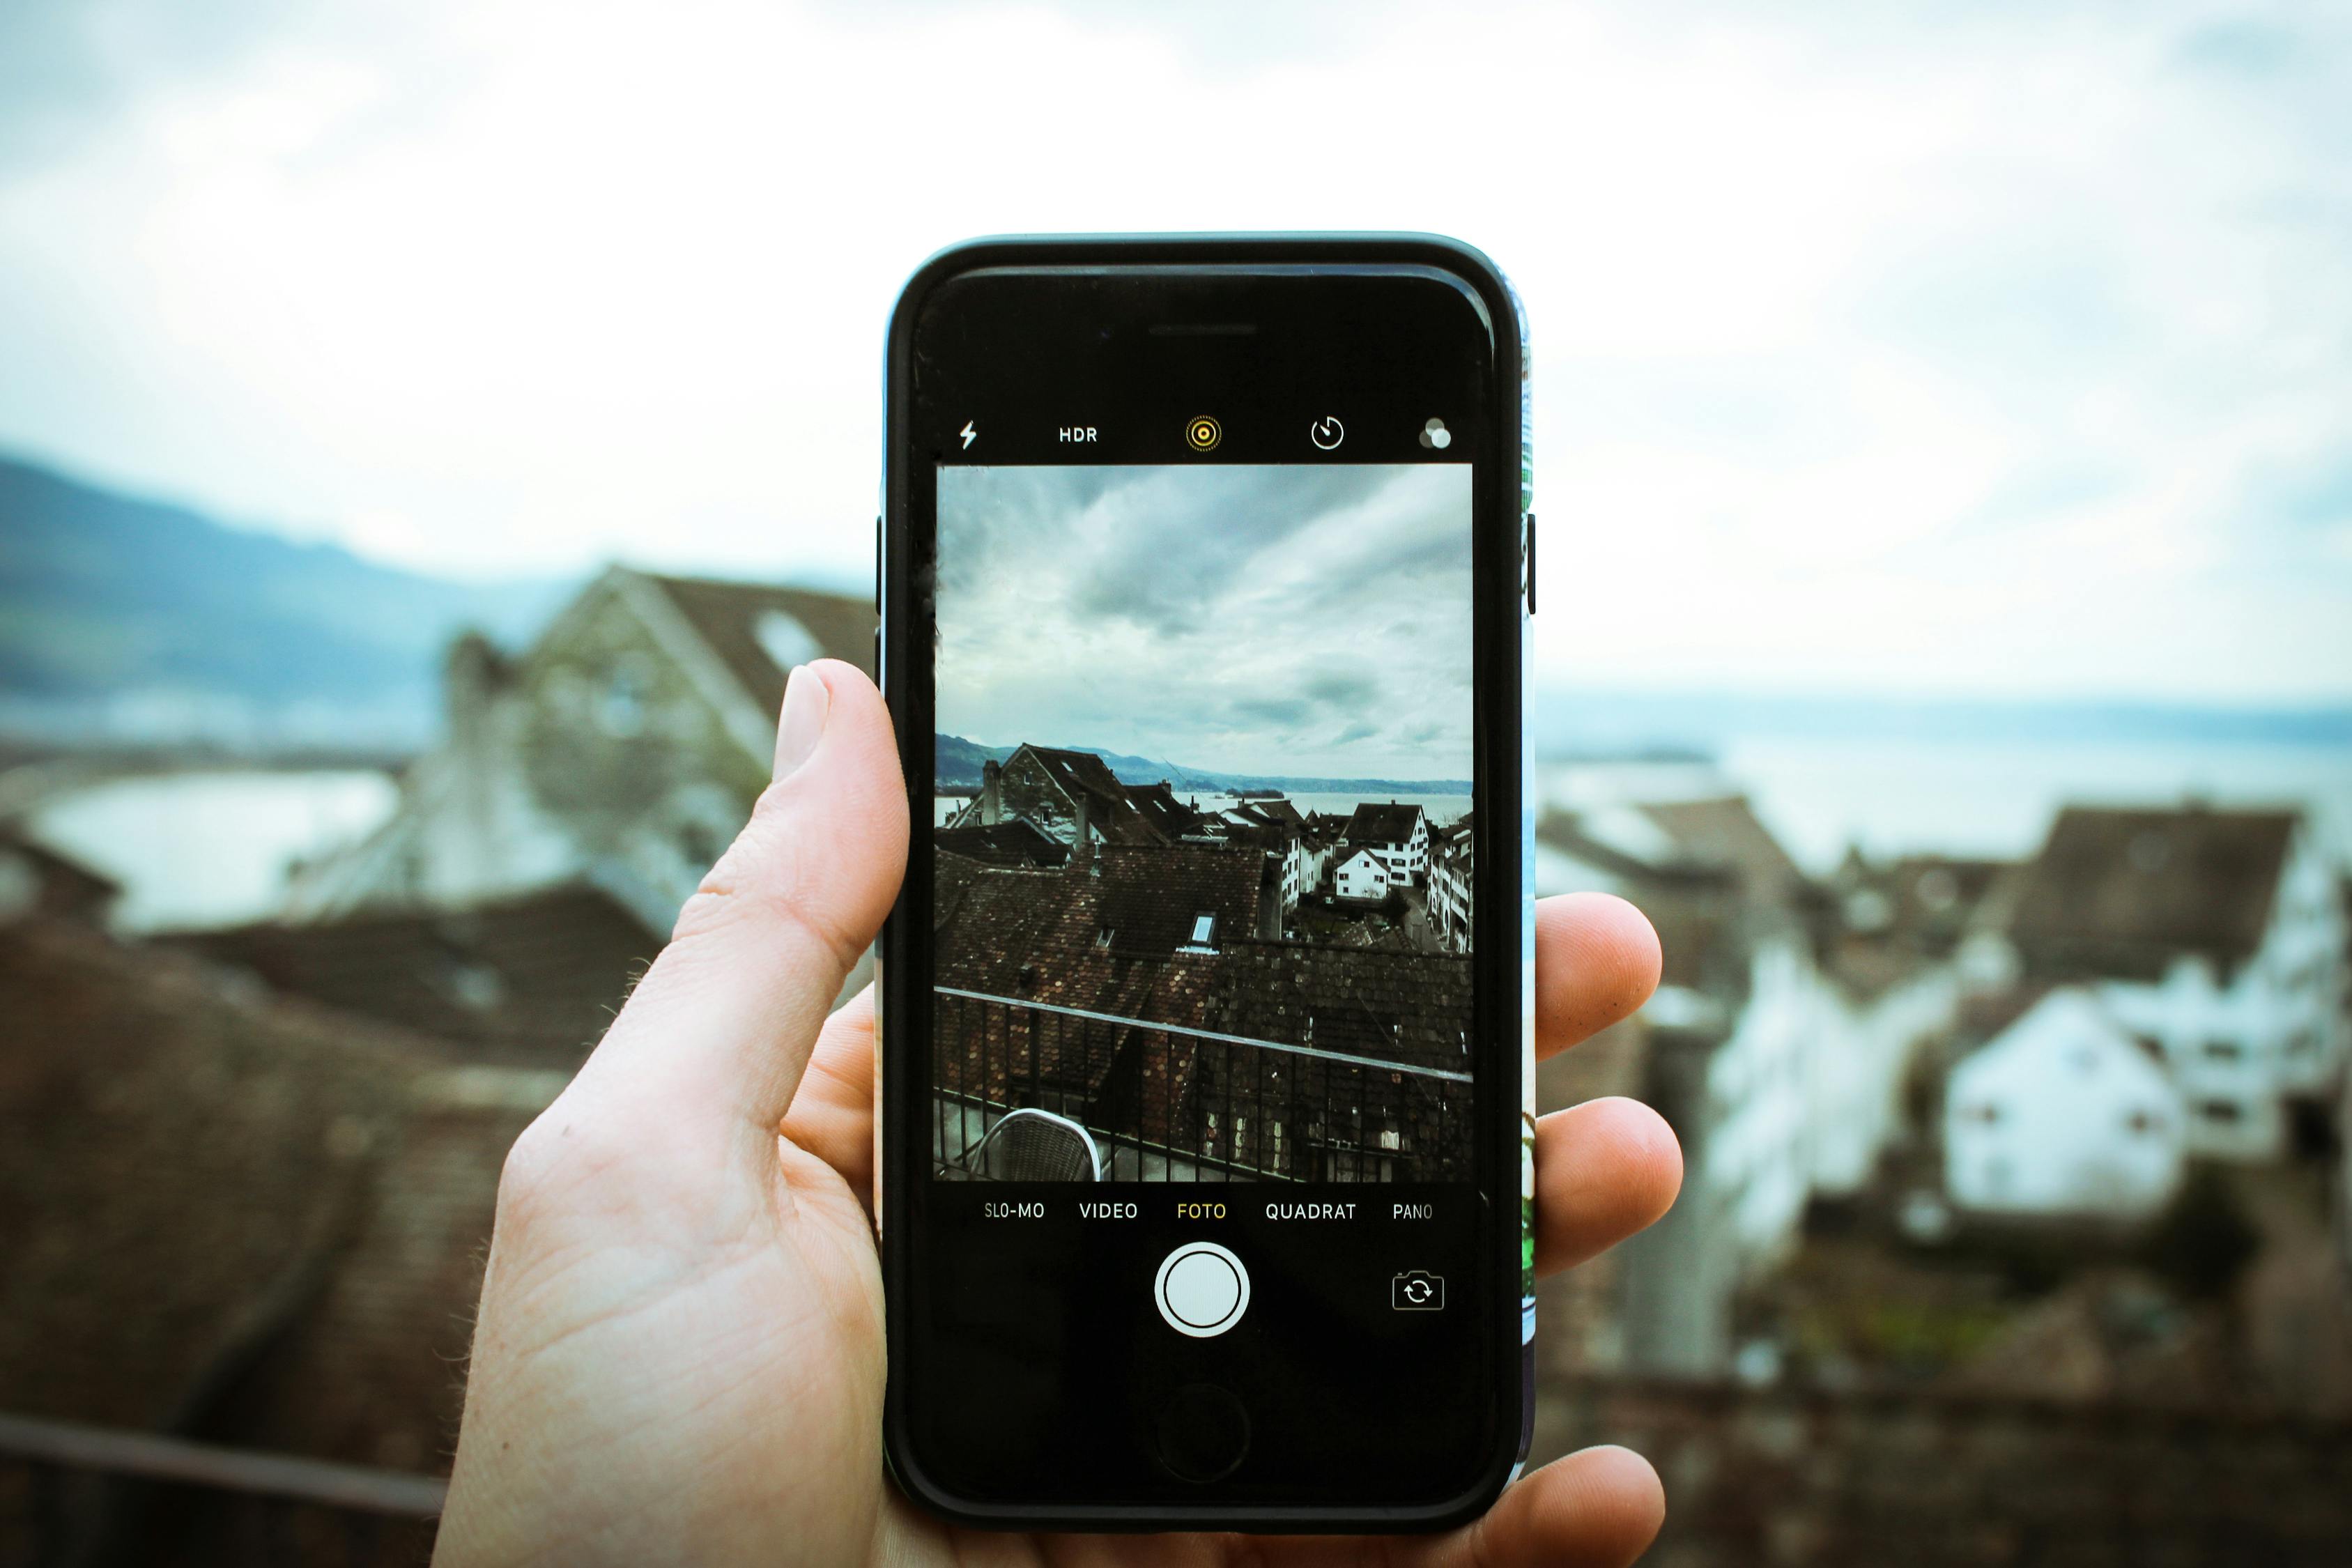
(38, 878)
(533, 980)
(734, 620)
(195, 1180)
(2124, 891)
(1724, 832)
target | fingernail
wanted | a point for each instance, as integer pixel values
(806, 703)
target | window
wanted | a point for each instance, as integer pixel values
(622, 709)
(2222, 1110)
(1102, 937)
(1203, 926)
(2225, 1051)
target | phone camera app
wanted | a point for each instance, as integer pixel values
(1417, 1290)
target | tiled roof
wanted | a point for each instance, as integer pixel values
(1012, 842)
(232, 1219)
(1411, 1007)
(1727, 832)
(1112, 811)
(526, 981)
(2124, 891)
(1388, 823)
(1157, 804)
(1150, 899)
(727, 616)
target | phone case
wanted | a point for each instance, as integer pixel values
(897, 989)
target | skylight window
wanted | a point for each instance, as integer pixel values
(1204, 927)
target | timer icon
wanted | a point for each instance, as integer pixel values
(1327, 432)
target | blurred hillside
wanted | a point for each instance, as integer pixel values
(124, 618)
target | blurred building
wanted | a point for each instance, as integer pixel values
(624, 748)
(1724, 1042)
(2065, 1114)
(2218, 935)
(254, 1222)
(1789, 1019)
(527, 979)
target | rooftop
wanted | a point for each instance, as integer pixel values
(2122, 892)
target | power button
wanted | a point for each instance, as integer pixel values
(1527, 559)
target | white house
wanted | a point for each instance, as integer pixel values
(1452, 881)
(1363, 876)
(1893, 971)
(1398, 835)
(2062, 1115)
(624, 747)
(1729, 1039)
(2218, 934)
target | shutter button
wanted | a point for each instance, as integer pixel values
(1202, 1290)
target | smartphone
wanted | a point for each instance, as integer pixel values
(1207, 1025)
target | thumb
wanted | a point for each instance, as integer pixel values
(719, 1030)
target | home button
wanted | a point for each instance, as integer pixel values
(1203, 1433)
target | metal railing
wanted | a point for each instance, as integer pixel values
(75, 1494)
(1168, 1103)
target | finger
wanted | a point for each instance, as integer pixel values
(1597, 1508)
(716, 1036)
(1600, 1508)
(1604, 1170)
(1596, 961)
(832, 1114)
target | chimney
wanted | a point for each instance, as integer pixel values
(1082, 844)
(1269, 900)
(991, 792)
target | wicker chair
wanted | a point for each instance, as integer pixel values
(1030, 1145)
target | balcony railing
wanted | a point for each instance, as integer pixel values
(72, 1494)
(1167, 1103)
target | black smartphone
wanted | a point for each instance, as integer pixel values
(1207, 1007)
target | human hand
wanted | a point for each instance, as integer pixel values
(679, 1352)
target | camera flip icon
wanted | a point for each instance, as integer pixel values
(1417, 1290)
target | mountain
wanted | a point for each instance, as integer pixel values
(956, 764)
(127, 618)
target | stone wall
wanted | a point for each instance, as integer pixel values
(1769, 1478)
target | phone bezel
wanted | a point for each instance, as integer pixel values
(1499, 532)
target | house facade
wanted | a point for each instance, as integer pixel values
(1451, 880)
(2220, 935)
(1058, 792)
(1364, 877)
(1398, 835)
(624, 748)
(2062, 1115)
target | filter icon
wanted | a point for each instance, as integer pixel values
(1203, 434)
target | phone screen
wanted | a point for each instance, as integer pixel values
(1214, 1177)
(1202, 851)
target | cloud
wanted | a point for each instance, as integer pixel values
(1285, 602)
(1861, 332)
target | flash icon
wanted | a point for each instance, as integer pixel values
(968, 434)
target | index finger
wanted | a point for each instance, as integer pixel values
(1597, 961)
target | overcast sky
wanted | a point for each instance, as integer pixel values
(1287, 620)
(1971, 347)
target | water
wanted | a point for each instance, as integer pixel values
(1891, 797)
(201, 849)
(1441, 808)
